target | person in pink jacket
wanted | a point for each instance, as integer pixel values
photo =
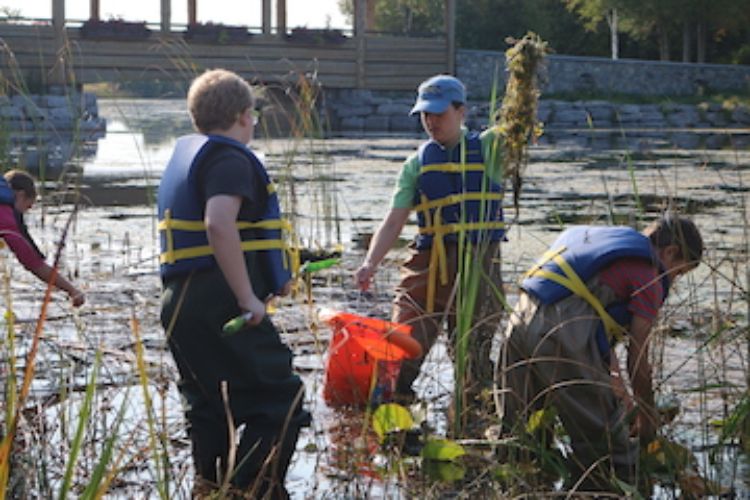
(17, 196)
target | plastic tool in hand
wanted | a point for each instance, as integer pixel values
(236, 324)
(310, 267)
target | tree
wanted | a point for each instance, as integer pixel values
(662, 19)
(639, 18)
(403, 16)
(485, 24)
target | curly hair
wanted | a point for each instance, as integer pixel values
(217, 98)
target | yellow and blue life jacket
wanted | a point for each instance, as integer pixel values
(575, 257)
(182, 232)
(456, 196)
(456, 199)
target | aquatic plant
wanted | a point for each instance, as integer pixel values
(518, 121)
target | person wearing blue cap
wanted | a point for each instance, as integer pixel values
(454, 182)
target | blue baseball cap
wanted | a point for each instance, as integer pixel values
(437, 93)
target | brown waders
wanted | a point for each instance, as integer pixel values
(551, 358)
(410, 307)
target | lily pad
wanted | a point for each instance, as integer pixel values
(444, 471)
(391, 417)
(442, 450)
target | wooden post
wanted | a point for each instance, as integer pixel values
(266, 16)
(94, 12)
(192, 12)
(281, 18)
(166, 16)
(57, 75)
(360, 22)
(370, 16)
(450, 33)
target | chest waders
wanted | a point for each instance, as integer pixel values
(576, 256)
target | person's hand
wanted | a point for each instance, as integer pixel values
(363, 276)
(286, 289)
(255, 306)
(77, 298)
(646, 424)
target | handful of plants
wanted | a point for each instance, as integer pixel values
(518, 122)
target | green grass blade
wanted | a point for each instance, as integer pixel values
(92, 489)
(83, 418)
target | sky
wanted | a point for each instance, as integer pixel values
(309, 13)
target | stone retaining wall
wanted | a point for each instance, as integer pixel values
(61, 114)
(573, 74)
(42, 131)
(583, 123)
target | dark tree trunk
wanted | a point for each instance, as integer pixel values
(663, 43)
(700, 39)
(686, 41)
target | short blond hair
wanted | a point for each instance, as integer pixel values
(217, 98)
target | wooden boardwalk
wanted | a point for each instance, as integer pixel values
(376, 62)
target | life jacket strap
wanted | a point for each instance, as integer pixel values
(167, 257)
(205, 250)
(455, 199)
(171, 255)
(575, 284)
(452, 167)
(168, 224)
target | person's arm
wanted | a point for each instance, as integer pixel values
(224, 238)
(639, 370)
(383, 240)
(30, 257)
(44, 272)
(618, 383)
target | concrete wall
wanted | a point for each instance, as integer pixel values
(477, 69)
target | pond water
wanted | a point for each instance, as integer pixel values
(340, 190)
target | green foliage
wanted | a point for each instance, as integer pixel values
(715, 30)
(485, 24)
(447, 472)
(83, 421)
(404, 16)
(442, 449)
(667, 22)
(389, 418)
(541, 419)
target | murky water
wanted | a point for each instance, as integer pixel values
(341, 189)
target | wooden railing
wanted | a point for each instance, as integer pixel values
(377, 62)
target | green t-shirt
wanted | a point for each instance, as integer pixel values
(406, 187)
